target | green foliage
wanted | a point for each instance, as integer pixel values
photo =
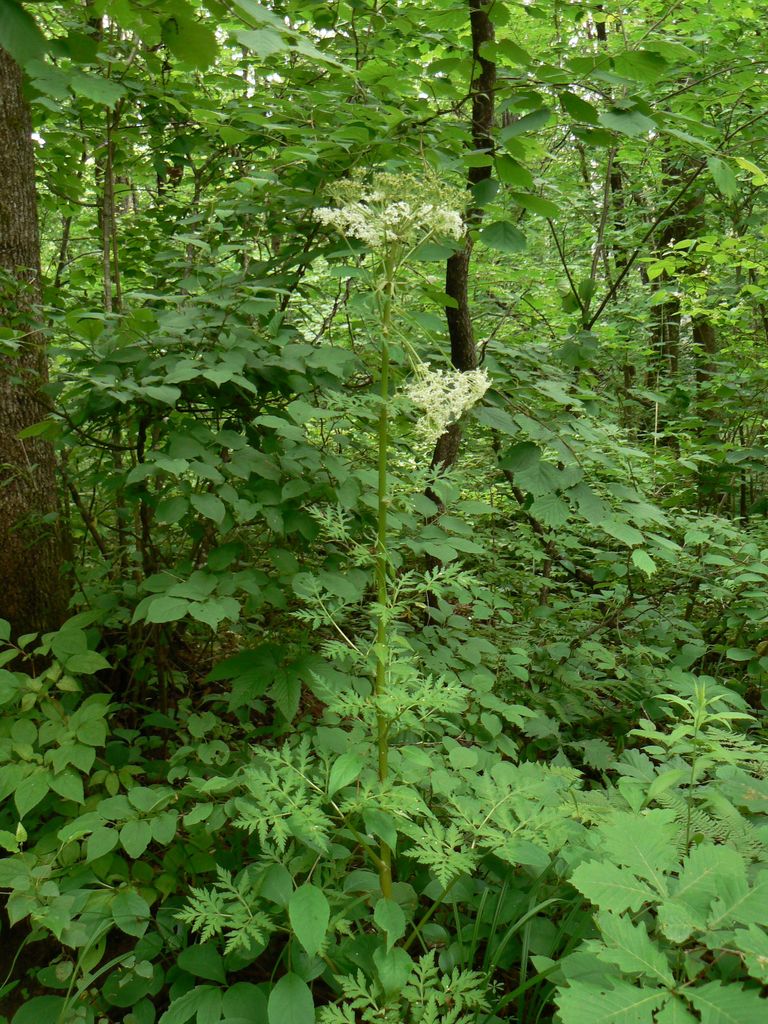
(341, 728)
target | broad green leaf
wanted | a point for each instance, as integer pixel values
(40, 1009)
(31, 791)
(643, 561)
(753, 943)
(290, 1002)
(101, 91)
(309, 915)
(167, 609)
(628, 122)
(759, 177)
(550, 510)
(209, 506)
(528, 123)
(68, 785)
(135, 837)
(20, 35)
(675, 1011)
(130, 912)
(189, 40)
(629, 947)
(723, 176)
(185, 1007)
(536, 204)
(645, 843)
(510, 172)
(394, 967)
(100, 842)
(503, 237)
(621, 1003)
(209, 1007)
(740, 903)
(344, 770)
(720, 1003)
(86, 664)
(578, 108)
(622, 531)
(245, 1003)
(263, 42)
(389, 916)
(611, 887)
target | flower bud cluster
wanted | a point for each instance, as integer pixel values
(393, 209)
(443, 396)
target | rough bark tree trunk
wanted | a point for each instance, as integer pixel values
(33, 593)
(463, 347)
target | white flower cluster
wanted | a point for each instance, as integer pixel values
(443, 396)
(392, 209)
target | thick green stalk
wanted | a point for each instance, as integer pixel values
(382, 596)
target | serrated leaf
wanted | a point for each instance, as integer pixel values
(622, 531)
(753, 943)
(675, 1012)
(645, 843)
(643, 561)
(739, 903)
(611, 887)
(720, 1003)
(309, 915)
(550, 509)
(630, 948)
(622, 1003)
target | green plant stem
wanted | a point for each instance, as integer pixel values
(382, 626)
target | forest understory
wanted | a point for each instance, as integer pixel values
(383, 512)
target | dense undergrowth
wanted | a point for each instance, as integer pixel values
(342, 728)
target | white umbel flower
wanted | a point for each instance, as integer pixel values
(393, 209)
(443, 396)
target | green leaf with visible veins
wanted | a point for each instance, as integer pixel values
(719, 1003)
(622, 1004)
(610, 887)
(630, 948)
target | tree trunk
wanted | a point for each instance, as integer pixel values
(33, 591)
(459, 318)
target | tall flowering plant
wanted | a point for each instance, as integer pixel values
(393, 214)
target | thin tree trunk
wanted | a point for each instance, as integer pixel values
(33, 595)
(463, 347)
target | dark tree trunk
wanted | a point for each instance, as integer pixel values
(463, 347)
(32, 588)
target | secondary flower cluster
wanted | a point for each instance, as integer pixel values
(393, 208)
(443, 396)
